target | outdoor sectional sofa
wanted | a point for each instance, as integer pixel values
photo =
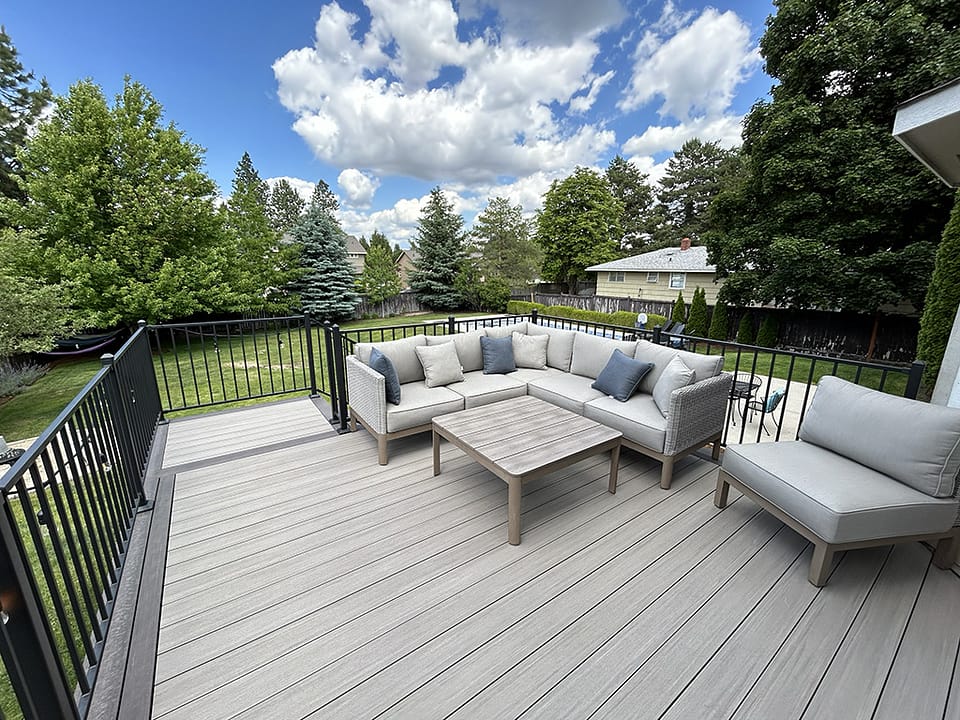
(694, 416)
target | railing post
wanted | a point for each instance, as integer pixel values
(914, 378)
(534, 316)
(311, 365)
(26, 644)
(121, 424)
(331, 374)
(657, 330)
(451, 325)
(341, 377)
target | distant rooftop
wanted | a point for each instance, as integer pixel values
(354, 247)
(673, 258)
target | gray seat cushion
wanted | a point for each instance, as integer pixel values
(480, 389)
(560, 346)
(564, 389)
(592, 352)
(911, 441)
(838, 499)
(705, 366)
(639, 419)
(401, 354)
(420, 404)
(525, 375)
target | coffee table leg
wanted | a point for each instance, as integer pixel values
(614, 467)
(436, 453)
(514, 494)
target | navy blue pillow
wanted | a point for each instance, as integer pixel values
(497, 355)
(381, 363)
(621, 376)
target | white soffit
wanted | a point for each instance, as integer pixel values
(929, 127)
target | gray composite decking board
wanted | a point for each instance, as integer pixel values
(920, 678)
(666, 647)
(874, 634)
(477, 540)
(953, 699)
(794, 671)
(585, 616)
(389, 601)
(485, 516)
(297, 668)
(539, 611)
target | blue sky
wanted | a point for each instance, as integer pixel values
(385, 99)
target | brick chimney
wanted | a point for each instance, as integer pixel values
(684, 244)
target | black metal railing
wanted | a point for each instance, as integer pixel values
(69, 505)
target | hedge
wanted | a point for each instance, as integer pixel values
(623, 318)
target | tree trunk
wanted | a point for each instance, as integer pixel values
(872, 345)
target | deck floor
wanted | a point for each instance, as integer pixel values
(304, 580)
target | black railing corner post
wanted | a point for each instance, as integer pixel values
(451, 325)
(338, 361)
(913, 379)
(331, 374)
(657, 331)
(533, 316)
(124, 429)
(311, 362)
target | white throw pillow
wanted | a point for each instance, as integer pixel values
(441, 364)
(675, 376)
(530, 351)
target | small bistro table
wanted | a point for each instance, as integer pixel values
(524, 438)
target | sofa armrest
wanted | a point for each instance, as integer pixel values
(697, 413)
(367, 394)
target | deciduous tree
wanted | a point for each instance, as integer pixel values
(579, 226)
(439, 246)
(380, 279)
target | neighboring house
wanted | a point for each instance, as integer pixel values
(406, 264)
(356, 254)
(659, 275)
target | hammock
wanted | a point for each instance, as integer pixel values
(83, 344)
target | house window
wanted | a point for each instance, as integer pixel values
(615, 277)
(678, 281)
(653, 277)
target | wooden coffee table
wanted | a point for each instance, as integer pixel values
(521, 439)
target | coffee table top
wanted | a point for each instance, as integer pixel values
(524, 434)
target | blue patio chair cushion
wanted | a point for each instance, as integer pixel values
(621, 377)
(772, 401)
(497, 355)
(381, 363)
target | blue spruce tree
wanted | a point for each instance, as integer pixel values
(327, 287)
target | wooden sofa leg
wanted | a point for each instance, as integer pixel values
(716, 449)
(666, 473)
(723, 489)
(820, 564)
(945, 554)
(382, 450)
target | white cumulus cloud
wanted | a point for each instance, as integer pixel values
(358, 186)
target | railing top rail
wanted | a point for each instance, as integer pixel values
(223, 322)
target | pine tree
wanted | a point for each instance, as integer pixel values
(380, 279)
(21, 102)
(767, 334)
(943, 297)
(324, 199)
(327, 287)
(507, 250)
(439, 246)
(697, 320)
(745, 330)
(631, 187)
(285, 207)
(719, 322)
(679, 309)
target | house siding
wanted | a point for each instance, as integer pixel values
(635, 285)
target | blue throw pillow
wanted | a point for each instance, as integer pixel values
(497, 355)
(621, 377)
(381, 363)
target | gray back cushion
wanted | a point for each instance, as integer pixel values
(401, 354)
(705, 366)
(591, 353)
(468, 347)
(560, 346)
(500, 331)
(911, 441)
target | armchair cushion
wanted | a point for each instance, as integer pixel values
(914, 442)
(381, 363)
(530, 351)
(838, 499)
(560, 347)
(621, 376)
(497, 355)
(675, 376)
(468, 348)
(401, 354)
(441, 364)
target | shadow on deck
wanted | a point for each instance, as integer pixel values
(301, 579)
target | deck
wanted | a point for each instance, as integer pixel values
(304, 580)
